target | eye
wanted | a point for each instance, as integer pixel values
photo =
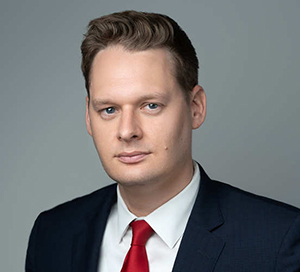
(152, 106)
(110, 110)
(108, 113)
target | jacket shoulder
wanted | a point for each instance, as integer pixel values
(80, 208)
(246, 200)
(254, 224)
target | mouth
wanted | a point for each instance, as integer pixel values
(132, 157)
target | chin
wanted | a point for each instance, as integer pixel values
(131, 177)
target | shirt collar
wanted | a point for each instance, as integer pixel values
(176, 212)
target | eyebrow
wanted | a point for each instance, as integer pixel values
(154, 96)
(96, 102)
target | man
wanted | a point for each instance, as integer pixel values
(164, 214)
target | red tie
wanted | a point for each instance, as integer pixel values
(136, 259)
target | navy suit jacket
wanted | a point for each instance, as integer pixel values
(229, 230)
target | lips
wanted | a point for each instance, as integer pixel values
(132, 157)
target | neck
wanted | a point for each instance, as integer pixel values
(143, 199)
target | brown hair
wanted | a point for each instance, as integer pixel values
(138, 31)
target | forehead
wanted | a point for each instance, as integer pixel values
(116, 66)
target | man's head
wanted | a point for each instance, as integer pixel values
(139, 31)
(140, 109)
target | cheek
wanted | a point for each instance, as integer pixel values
(171, 138)
(102, 137)
(177, 135)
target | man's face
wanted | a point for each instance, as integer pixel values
(138, 117)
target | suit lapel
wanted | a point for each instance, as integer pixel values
(87, 239)
(200, 248)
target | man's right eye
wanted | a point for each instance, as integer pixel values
(110, 110)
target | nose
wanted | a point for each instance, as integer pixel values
(129, 127)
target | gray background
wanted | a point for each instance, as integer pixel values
(250, 60)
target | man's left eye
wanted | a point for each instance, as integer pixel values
(152, 106)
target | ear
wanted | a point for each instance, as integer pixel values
(198, 106)
(87, 116)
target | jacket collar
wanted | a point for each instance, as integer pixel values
(200, 248)
(88, 237)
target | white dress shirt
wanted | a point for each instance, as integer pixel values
(168, 222)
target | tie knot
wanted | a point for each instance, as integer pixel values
(141, 232)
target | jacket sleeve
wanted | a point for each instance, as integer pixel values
(30, 264)
(288, 259)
